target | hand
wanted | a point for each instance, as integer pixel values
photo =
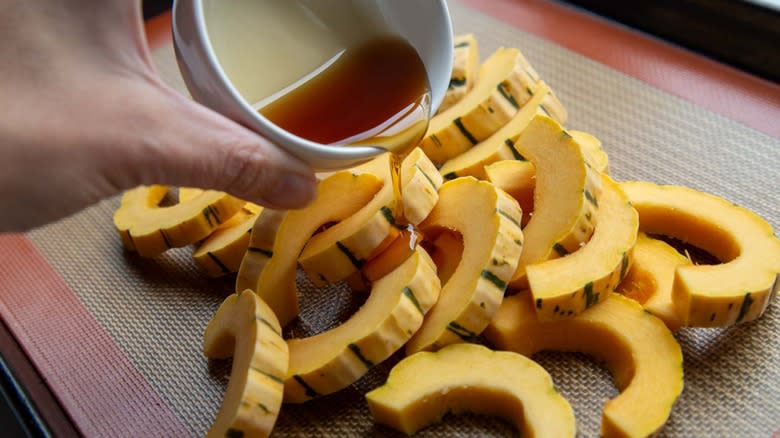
(84, 116)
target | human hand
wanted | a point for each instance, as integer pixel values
(85, 116)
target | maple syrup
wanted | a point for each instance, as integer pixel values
(375, 93)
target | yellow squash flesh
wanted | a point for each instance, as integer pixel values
(150, 230)
(425, 386)
(650, 278)
(330, 361)
(276, 282)
(446, 253)
(260, 248)
(465, 67)
(518, 179)
(568, 285)
(565, 196)
(505, 83)
(492, 242)
(596, 156)
(245, 328)
(736, 290)
(342, 249)
(643, 356)
(420, 182)
(222, 251)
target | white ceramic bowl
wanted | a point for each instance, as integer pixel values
(425, 24)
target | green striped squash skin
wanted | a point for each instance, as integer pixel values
(369, 345)
(476, 290)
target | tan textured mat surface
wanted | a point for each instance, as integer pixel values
(156, 310)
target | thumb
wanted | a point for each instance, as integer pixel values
(186, 144)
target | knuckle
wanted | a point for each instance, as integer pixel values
(248, 170)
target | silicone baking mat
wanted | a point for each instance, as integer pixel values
(118, 337)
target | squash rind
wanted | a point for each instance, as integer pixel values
(151, 230)
(500, 145)
(565, 195)
(465, 67)
(492, 242)
(259, 249)
(223, 250)
(420, 182)
(245, 327)
(342, 249)
(503, 85)
(566, 286)
(330, 361)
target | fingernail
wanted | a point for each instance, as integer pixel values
(292, 191)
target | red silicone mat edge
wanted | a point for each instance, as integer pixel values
(94, 381)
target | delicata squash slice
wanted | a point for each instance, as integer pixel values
(465, 66)
(150, 230)
(492, 242)
(245, 328)
(332, 360)
(643, 356)
(342, 249)
(420, 182)
(425, 386)
(506, 82)
(650, 278)
(738, 289)
(276, 282)
(518, 179)
(222, 251)
(500, 145)
(568, 285)
(565, 196)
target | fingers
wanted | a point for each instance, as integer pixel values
(179, 142)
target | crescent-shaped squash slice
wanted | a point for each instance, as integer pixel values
(245, 328)
(260, 248)
(332, 360)
(568, 285)
(643, 356)
(500, 145)
(650, 278)
(565, 196)
(150, 230)
(425, 386)
(737, 290)
(222, 251)
(465, 66)
(420, 182)
(492, 242)
(505, 84)
(518, 179)
(342, 249)
(276, 282)
(596, 156)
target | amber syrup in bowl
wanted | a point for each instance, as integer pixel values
(375, 93)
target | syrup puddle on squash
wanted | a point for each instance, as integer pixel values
(324, 71)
